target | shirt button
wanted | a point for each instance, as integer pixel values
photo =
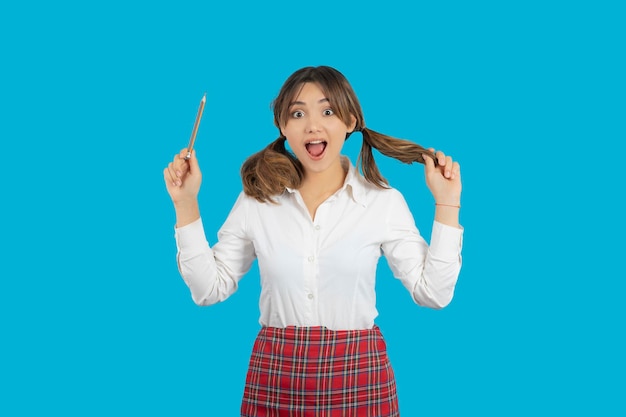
(311, 259)
(317, 227)
(310, 296)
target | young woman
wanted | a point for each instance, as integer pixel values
(317, 226)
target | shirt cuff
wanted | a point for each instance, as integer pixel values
(191, 236)
(446, 241)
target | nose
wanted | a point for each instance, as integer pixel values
(313, 124)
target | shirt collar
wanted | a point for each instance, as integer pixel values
(354, 183)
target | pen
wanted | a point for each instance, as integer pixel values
(195, 127)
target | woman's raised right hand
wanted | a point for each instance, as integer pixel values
(183, 177)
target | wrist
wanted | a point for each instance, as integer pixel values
(447, 214)
(448, 204)
(185, 203)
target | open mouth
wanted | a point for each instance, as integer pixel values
(316, 148)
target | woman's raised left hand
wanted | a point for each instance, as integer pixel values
(444, 179)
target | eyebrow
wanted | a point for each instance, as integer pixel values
(302, 103)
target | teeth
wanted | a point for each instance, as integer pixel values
(316, 142)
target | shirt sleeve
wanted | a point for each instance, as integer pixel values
(213, 274)
(429, 272)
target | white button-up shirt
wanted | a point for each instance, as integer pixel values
(321, 272)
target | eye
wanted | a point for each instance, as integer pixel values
(297, 114)
(328, 112)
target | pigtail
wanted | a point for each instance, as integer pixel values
(400, 149)
(270, 171)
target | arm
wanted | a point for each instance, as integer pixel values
(435, 286)
(212, 274)
(429, 273)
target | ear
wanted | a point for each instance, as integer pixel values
(352, 124)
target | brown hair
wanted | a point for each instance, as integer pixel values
(268, 172)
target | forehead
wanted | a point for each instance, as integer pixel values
(309, 93)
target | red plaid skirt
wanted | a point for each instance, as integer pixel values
(317, 372)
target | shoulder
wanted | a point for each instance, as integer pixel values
(252, 204)
(388, 202)
(385, 197)
(371, 194)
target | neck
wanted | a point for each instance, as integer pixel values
(324, 183)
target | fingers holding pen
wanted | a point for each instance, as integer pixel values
(183, 178)
(177, 168)
(192, 163)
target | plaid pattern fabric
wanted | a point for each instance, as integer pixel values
(317, 372)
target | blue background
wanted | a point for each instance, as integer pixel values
(96, 97)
